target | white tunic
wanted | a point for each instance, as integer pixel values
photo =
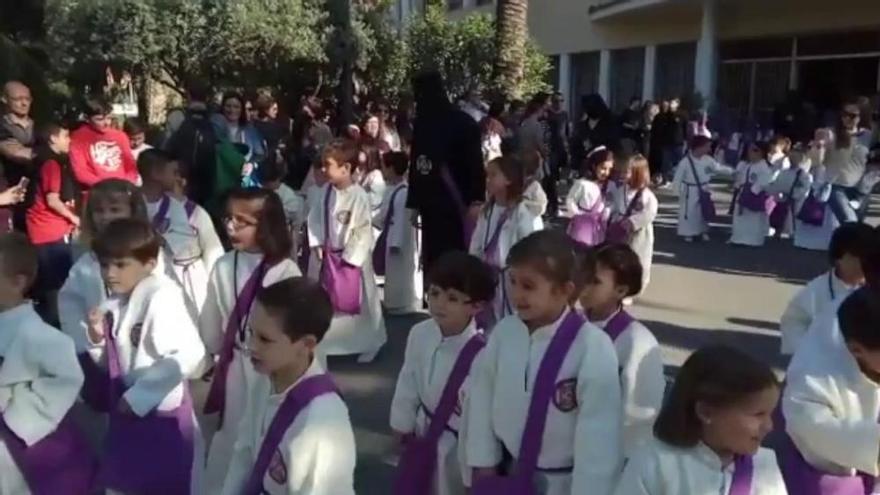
(779, 162)
(642, 217)
(40, 379)
(192, 243)
(295, 212)
(690, 217)
(223, 289)
(403, 276)
(816, 237)
(351, 231)
(427, 363)
(374, 184)
(790, 185)
(159, 348)
(519, 224)
(314, 200)
(750, 228)
(84, 291)
(583, 422)
(584, 196)
(830, 406)
(642, 382)
(661, 469)
(316, 455)
(810, 301)
(536, 201)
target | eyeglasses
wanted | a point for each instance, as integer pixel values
(238, 223)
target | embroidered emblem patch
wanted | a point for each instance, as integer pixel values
(277, 470)
(424, 165)
(343, 217)
(136, 331)
(565, 395)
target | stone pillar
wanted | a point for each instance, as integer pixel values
(564, 82)
(650, 73)
(605, 75)
(706, 63)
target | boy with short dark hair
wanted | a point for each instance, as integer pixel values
(272, 174)
(39, 382)
(145, 334)
(295, 412)
(137, 136)
(97, 150)
(190, 239)
(848, 245)
(439, 352)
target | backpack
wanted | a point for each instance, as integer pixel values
(193, 144)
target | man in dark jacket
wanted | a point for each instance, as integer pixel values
(447, 181)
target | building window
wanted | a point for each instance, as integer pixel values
(454, 4)
(484, 2)
(584, 78)
(675, 70)
(627, 73)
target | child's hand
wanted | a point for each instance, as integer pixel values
(96, 326)
(483, 473)
(319, 254)
(75, 221)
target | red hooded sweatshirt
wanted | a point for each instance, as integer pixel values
(97, 155)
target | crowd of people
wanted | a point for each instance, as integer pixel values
(245, 248)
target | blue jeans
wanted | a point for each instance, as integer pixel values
(55, 260)
(840, 207)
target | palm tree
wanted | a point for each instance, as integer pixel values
(511, 33)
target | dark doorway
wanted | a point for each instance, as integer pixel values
(827, 83)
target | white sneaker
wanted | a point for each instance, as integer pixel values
(705, 237)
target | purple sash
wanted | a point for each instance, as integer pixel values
(802, 478)
(760, 202)
(617, 324)
(61, 463)
(379, 250)
(297, 399)
(588, 227)
(216, 401)
(707, 206)
(160, 219)
(190, 207)
(150, 454)
(486, 318)
(415, 472)
(782, 208)
(618, 232)
(96, 384)
(743, 469)
(466, 223)
(520, 482)
(812, 212)
(340, 279)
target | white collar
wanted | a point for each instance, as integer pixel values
(314, 369)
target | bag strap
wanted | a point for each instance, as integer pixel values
(632, 204)
(449, 398)
(794, 184)
(190, 207)
(327, 216)
(114, 366)
(389, 215)
(297, 399)
(743, 469)
(694, 171)
(542, 393)
(617, 324)
(492, 242)
(162, 212)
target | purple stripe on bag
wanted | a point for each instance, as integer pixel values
(296, 400)
(415, 472)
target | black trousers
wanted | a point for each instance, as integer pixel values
(442, 232)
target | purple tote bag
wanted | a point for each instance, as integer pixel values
(707, 206)
(618, 232)
(812, 212)
(760, 202)
(297, 400)
(415, 472)
(379, 250)
(96, 385)
(782, 208)
(150, 454)
(588, 227)
(521, 481)
(340, 279)
(61, 463)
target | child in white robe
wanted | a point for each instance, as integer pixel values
(313, 197)
(750, 227)
(349, 236)
(612, 273)
(581, 447)
(260, 256)
(589, 194)
(778, 154)
(708, 435)
(39, 378)
(403, 276)
(790, 189)
(634, 205)
(848, 245)
(534, 196)
(369, 175)
(460, 284)
(313, 447)
(272, 175)
(806, 235)
(190, 239)
(504, 221)
(145, 336)
(831, 399)
(691, 223)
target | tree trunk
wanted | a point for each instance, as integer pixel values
(510, 37)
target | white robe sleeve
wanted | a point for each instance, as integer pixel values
(244, 453)
(359, 238)
(483, 448)
(766, 176)
(574, 198)
(642, 382)
(718, 168)
(476, 247)
(399, 222)
(815, 426)
(375, 189)
(173, 339)
(796, 320)
(321, 459)
(209, 242)
(597, 441)
(525, 223)
(72, 310)
(641, 476)
(211, 327)
(680, 172)
(645, 217)
(37, 406)
(740, 174)
(316, 216)
(405, 403)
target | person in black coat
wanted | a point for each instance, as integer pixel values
(597, 127)
(446, 146)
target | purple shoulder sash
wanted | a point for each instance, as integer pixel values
(617, 324)
(297, 399)
(741, 484)
(161, 216)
